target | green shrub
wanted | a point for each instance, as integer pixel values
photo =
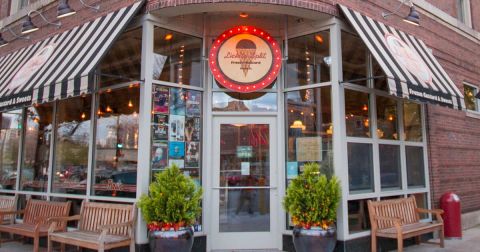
(312, 199)
(173, 202)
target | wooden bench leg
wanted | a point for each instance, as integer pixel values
(49, 248)
(132, 246)
(400, 244)
(374, 243)
(36, 243)
(62, 247)
(442, 238)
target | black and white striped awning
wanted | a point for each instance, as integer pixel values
(62, 65)
(412, 70)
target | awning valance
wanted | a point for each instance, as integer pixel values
(411, 69)
(62, 65)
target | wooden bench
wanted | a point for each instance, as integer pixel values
(35, 216)
(400, 219)
(8, 204)
(101, 226)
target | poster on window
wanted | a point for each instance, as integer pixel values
(160, 127)
(176, 150)
(177, 101)
(192, 154)
(179, 162)
(176, 128)
(192, 129)
(160, 99)
(159, 155)
(193, 103)
(309, 149)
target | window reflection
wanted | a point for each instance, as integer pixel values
(117, 143)
(177, 57)
(122, 63)
(390, 176)
(38, 134)
(357, 113)
(248, 102)
(412, 121)
(360, 167)
(415, 166)
(309, 127)
(354, 59)
(387, 126)
(71, 145)
(308, 59)
(470, 99)
(9, 144)
(358, 218)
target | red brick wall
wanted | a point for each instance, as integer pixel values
(4, 8)
(448, 6)
(83, 15)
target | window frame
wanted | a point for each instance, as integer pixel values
(464, 13)
(375, 141)
(476, 90)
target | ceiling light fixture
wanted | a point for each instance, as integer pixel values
(96, 7)
(4, 42)
(28, 26)
(64, 10)
(412, 18)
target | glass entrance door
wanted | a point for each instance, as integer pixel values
(244, 184)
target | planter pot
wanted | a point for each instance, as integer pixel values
(178, 241)
(314, 240)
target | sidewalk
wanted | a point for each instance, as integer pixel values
(470, 242)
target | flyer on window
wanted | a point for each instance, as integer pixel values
(176, 150)
(192, 154)
(194, 103)
(159, 155)
(160, 127)
(179, 162)
(192, 129)
(177, 101)
(160, 99)
(176, 129)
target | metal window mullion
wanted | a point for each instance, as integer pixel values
(51, 154)
(403, 159)
(23, 123)
(144, 131)
(339, 134)
(91, 145)
(375, 146)
(425, 154)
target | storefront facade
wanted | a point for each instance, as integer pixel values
(328, 89)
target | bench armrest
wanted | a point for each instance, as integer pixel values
(438, 212)
(105, 228)
(55, 225)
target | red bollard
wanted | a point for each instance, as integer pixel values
(450, 203)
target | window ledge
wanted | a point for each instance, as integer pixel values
(473, 114)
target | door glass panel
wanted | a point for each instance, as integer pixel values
(244, 173)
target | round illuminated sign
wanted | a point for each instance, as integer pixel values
(245, 59)
(31, 66)
(408, 58)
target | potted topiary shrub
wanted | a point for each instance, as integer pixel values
(312, 200)
(170, 210)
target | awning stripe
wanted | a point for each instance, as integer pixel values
(68, 69)
(412, 70)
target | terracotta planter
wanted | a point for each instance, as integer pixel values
(314, 240)
(178, 241)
